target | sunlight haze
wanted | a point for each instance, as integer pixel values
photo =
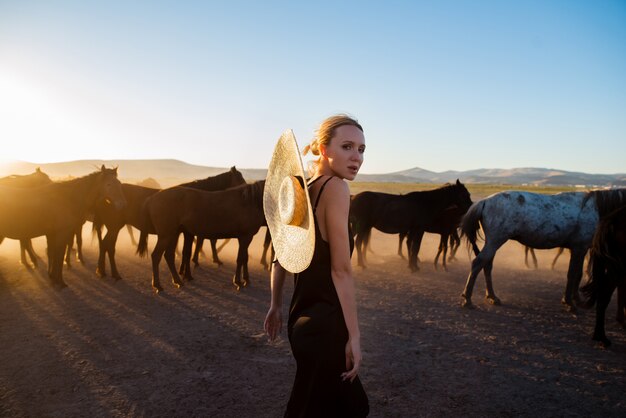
(449, 85)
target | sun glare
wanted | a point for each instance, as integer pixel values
(36, 126)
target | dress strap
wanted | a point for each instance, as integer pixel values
(319, 194)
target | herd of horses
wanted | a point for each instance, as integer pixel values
(227, 207)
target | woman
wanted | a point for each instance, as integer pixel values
(323, 328)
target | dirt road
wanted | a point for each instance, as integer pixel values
(101, 348)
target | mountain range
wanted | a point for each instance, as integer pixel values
(171, 172)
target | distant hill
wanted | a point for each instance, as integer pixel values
(172, 172)
(513, 176)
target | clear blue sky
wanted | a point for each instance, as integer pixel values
(442, 85)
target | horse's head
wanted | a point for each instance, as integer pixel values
(462, 197)
(236, 178)
(40, 177)
(111, 188)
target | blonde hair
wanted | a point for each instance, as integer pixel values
(325, 133)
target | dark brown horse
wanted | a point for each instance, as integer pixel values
(232, 178)
(607, 270)
(38, 178)
(55, 210)
(132, 214)
(413, 213)
(233, 213)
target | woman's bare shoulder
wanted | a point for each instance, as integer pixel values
(337, 188)
(336, 194)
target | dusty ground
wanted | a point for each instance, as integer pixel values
(101, 348)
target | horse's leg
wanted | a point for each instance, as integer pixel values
(185, 262)
(530, 250)
(366, 244)
(415, 237)
(216, 259)
(68, 251)
(101, 269)
(31, 253)
(621, 303)
(409, 242)
(26, 246)
(242, 263)
(129, 228)
(196, 252)
(605, 290)
(490, 295)
(444, 242)
(157, 253)
(359, 245)
(170, 259)
(526, 248)
(79, 244)
(57, 243)
(110, 249)
(439, 251)
(558, 254)
(266, 245)
(455, 242)
(479, 263)
(401, 237)
(574, 275)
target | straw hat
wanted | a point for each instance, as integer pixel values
(287, 206)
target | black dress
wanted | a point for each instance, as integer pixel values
(318, 337)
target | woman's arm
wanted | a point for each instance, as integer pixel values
(274, 318)
(336, 210)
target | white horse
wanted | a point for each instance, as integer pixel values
(565, 220)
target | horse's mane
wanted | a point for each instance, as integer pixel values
(441, 190)
(253, 193)
(219, 181)
(606, 200)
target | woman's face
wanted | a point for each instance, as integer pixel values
(344, 153)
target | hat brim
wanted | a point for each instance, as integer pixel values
(294, 245)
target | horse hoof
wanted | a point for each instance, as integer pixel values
(245, 283)
(177, 285)
(60, 285)
(101, 273)
(467, 304)
(157, 289)
(237, 287)
(494, 301)
(571, 309)
(606, 343)
(117, 277)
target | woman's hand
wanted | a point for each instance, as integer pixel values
(273, 322)
(353, 359)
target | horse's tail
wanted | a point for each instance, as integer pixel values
(96, 229)
(599, 259)
(595, 273)
(470, 224)
(142, 246)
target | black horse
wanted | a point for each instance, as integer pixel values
(607, 270)
(413, 213)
